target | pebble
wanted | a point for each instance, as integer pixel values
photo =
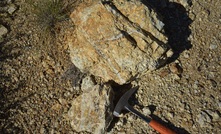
(164, 73)
(175, 68)
(176, 77)
(130, 118)
(193, 17)
(213, 46)
(186, 55)
(3, 30)
(203, 118)
(42, 130)
(146, 111)
(214, 114)
(170, 114)
(195, 85)
(119, 125)
(195, 91)
(12, 8)
(184, 3)
(62, 101)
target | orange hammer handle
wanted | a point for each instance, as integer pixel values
(160, 128)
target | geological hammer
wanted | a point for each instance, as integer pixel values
(124, 105)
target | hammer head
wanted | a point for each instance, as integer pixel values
(123, 101)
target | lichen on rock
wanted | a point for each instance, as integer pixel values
(117, 40)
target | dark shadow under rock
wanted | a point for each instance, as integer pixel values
(176, 22)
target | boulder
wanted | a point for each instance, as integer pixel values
(92, 111)
(117, 40)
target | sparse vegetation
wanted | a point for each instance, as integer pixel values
(48, 13)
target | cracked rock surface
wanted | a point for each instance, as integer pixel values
(92, 111)
(117, 40)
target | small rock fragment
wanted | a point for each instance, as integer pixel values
(92, 111)
(42, 130)
(3, 30)
(130, 118)
(185, 3)
(213, 46)
(164, 73)
(170, 114)
(176, 68)
(186, 55)
(12, 8)
(203, 118)
(120, 123)
(195, 85)
(214, 114)
(87, 83)
(62, 101)
(146, 111)
(176, 77)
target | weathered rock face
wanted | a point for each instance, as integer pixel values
(92, 111)
(117, 40)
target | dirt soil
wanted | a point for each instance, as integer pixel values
(38, 80)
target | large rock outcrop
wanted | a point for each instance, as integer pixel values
(117, 40)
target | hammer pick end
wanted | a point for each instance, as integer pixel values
(117, 114)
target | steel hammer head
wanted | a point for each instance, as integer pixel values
(123, 102)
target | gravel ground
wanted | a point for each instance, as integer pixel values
(36, 89)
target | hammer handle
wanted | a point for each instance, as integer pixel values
(160, 128)
(154, 124)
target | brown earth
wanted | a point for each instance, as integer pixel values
(38, 80)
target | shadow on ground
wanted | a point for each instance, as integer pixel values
(9, 107)
(9, 104)
(176, 21)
